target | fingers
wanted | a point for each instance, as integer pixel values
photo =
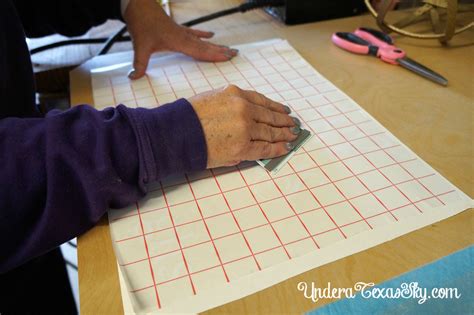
(267, 150)
(272, 134)
(200, 34)
(141, 56)
(259, 99)
(206, 51)
(275, 119)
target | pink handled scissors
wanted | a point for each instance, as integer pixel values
(368, 41)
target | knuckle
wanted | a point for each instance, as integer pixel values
(232, 89)
(273, 134)
(266, 149)
(261, 99)
(242, 108)
(265, 100)
(274, 117)
(282, 135)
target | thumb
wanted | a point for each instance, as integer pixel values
(141, 56)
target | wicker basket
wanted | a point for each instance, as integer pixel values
(447, 17)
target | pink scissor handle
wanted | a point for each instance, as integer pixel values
(366, 41)
(350, 42)
(388, 52)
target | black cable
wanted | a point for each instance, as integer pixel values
(118, 36)
(79, 41)
(111, 41)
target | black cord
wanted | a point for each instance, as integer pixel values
(111, 41)
(118, 36)
(79, 41)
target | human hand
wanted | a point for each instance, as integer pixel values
(153, 30)
(243, 125)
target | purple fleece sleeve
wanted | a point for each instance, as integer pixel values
(59, 174)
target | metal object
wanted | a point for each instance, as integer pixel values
(275, 164)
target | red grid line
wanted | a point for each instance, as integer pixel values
(323, 171)
(295, 213)
(132, 88)
(325, 118)
(292, 242)
(423, 185)
(179, 242)
(331, 116)
(199, 207)
(264, 214)
(282, 245)
(149, 260)
(336, 154)
(376, 168)
(225, 198)
(354, 175)
(400, 164)
(319, 202)
(152, 90)
(207, 229)
(237, 222)
(246, 184)
(275, 198)
(369, 161)
(297, 153)
(350, 143)
(274, 221)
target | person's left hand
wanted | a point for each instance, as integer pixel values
(153, 30)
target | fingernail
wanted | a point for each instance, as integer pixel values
(287, 109)
(295, 130)
(131, 74)
(212, 33)
(229, 55)
(289, 146)
(297, 121)
(235, 51)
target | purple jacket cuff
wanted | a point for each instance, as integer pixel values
(171, 140)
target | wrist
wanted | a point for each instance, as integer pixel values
(138, 8)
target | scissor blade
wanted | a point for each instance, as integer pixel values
(414, 66)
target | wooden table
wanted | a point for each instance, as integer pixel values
(436, 122)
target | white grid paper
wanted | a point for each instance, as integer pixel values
(200, 240)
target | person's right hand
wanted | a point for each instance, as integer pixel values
(152, 30)
(243, 125)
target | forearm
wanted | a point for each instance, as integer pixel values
(60, 174)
